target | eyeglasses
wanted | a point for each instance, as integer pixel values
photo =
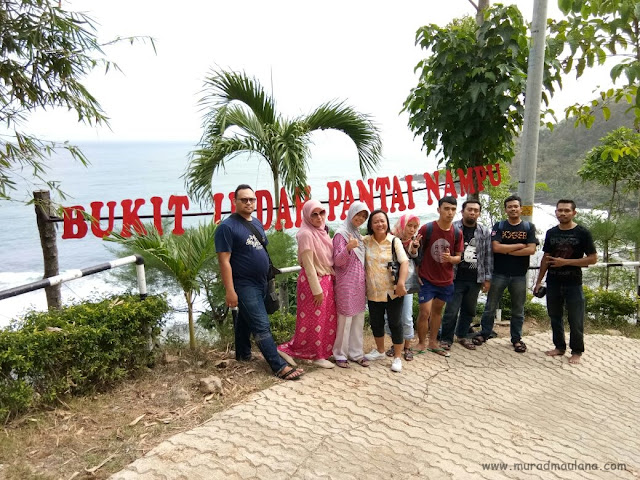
(248, 200)
(321, 213)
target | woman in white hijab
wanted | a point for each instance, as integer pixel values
(350, 291)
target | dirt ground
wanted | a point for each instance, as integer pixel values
(93, 437)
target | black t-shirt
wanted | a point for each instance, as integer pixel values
(574, 243)
(507, 234)
(468, 267)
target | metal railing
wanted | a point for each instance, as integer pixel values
(75, 274)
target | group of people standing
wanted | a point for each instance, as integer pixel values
(447, 263)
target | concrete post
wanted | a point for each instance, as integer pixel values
(533, 98)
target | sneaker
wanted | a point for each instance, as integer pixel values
(391, 352)
(374, 355)
(323, 363)
(396, 365)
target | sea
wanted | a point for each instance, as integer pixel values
(142, 170)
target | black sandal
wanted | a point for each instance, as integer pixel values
(520, 347)
(282, 375)
(478, 340)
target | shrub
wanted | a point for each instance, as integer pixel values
(76, 350)
(608, 307)
(283, 326)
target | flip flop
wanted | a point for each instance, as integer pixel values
(439, 351)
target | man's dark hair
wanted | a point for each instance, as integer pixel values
(242, 186)
(464, 205)
(564, 200)
(369, 229)
(512, 198)
(448, 199)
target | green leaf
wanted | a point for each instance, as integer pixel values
(606, 113)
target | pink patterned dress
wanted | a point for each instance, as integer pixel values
(315, 326)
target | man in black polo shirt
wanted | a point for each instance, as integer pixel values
(513, 241)
(567, 247)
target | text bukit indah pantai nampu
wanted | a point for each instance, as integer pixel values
(392, 194)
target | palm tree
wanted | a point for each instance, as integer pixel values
(241, 118)
(183, 257)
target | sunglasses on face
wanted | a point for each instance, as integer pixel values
(248, 200)
(321, 213)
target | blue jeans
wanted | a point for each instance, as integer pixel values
(559, 294)
(465, 299)
(407, 318)
(517, 286)
(253, 319)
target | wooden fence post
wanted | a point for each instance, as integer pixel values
(47, 232)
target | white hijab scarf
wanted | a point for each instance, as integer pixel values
(348, 230)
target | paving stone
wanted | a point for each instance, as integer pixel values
(486, 414)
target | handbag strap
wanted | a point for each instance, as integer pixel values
(252, 228)
(394, 257)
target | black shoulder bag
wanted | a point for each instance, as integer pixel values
(272, 302)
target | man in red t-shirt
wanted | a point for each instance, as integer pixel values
(439, 240)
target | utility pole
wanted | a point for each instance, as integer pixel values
(533, 99)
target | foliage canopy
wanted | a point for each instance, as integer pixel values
(595, 31)
(468, 105)
(242, 118)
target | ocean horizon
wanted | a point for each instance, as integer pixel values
(141, 170)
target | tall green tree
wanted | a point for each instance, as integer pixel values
(614, 163)
(596, 31)
(45, 54)
(183, 257)
(468, 105)
(242, 118)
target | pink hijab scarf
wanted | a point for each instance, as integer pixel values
(315, 239)
(398, 228)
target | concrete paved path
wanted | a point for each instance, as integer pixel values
(489, 414)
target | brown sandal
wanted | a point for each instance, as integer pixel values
(466, 343)
(408, 354)
(363, 362)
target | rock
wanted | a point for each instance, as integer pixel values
(211, 384)
(613, 332)
(180, 396)
(223, 363)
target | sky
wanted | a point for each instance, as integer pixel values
(306, 53)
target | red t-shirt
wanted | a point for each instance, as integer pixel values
(431, 269)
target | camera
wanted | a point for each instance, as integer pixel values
(542, 291)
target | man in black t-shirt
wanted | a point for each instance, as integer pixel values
(567, 248)
(513, 241)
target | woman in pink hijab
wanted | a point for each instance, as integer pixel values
(316, 319)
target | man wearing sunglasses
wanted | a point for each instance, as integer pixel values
(244, 266)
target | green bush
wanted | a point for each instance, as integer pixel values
(76, 350)
(283, 326)
(608, 307)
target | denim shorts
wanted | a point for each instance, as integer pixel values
(429, 291)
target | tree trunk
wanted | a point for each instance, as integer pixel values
(482, 5)
(47, 232)
(276, 197)
(192, 331)
(609, 235)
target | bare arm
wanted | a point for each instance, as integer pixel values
(224, 260)
(556, 262)
(544, 266)
(498, 247)
(529, 249)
